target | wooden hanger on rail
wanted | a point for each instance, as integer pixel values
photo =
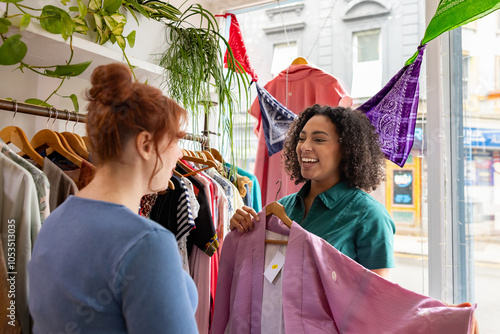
(199, 160)
(189, 169)
(299, 61)
(86, 141)
(49, 138)
(76, 145)
(216, 155)
(16, 136)
(75, 142)
(278, 210)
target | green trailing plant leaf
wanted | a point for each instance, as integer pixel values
(74, 99)
(117, 30)
(11, 1)
(110, 23)
(13, 50)
(95, 4)
(38, 102)
(57, 21)
(65, 2)
(72, 70)
(4, 25)
(121, 41)
(111, 6)
(131, 39)
(25, 22)
(119, 18)
(157, 10)
(82, 8)
(137, 7)
(80, 25)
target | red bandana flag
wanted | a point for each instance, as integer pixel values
(238, 47)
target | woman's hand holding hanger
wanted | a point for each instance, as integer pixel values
(242, 219)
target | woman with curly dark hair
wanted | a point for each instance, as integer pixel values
(335, 151)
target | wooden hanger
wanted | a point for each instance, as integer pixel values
(199, 160)
(86, 141)
(278, 210)
(176, 173)
(299, 61)
(49, 138)
(216, 155)
(65, 143)
(75, 143)
(190, 170)
(16, 136)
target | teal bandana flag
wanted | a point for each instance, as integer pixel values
(451, 14)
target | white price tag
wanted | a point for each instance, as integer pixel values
(274, 267)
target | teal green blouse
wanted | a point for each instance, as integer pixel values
(350, 220)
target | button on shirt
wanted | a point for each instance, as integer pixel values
(350, 220)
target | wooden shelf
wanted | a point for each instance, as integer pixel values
(46, 49)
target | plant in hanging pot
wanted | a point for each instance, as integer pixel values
(194, 71)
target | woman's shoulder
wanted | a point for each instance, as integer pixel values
(286, 200)
(369, 206)
(101, 217)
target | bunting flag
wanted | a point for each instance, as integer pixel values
(451, 14)
(238, 47)
(276, 120)
(393, 111)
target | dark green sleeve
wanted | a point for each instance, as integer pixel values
(375, 236)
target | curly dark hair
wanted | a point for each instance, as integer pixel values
(362, 164)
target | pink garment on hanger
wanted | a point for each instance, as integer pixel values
(323, 291)
(307, 86)
(199, 267)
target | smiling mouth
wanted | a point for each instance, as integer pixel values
(309, 160)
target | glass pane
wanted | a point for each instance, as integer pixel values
(281, 56)
(482, 146)
(367, 45)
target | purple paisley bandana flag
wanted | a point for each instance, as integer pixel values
(393, 111)
(276, 120)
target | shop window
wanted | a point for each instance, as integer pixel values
(367, 63)
(283, 55)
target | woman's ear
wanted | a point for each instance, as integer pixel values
(144, 145)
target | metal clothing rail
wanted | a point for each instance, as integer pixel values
(31, 109)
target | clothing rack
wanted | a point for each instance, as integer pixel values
(31, 109)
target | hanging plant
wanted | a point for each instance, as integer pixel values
(194, 66)
(54, 20)
(104, 15)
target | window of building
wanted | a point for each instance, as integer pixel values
(366, 64)
(283, 55)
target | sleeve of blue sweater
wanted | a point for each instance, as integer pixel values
(157, 295)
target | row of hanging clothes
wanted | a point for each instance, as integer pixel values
(37, 175)
(206, 194)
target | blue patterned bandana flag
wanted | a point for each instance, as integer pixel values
(276, 120)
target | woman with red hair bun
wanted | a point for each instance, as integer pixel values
(97, 266)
